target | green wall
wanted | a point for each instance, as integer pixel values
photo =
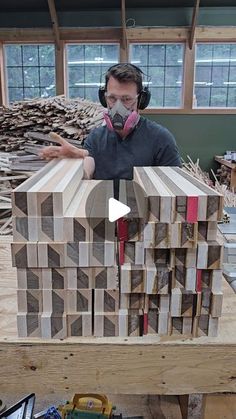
(201, 136)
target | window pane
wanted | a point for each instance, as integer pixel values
(162, 65)
(15, 94)
(203, 75)
(76, 92)
(30, 55)
(156, 55)
(232, 97)
(172, 97)
(47, 76)
(31, 77)
(220, 75)
(173, 76)
(219, 97)
(13, 56)
(157, 97)
(32, 68)
(31, 93)
(157, 75)
(139, 55)
(48, 91)
(86, 67)
(14, 77)
(174, 55)
(202, 96)
(215, 68)
(47, 55)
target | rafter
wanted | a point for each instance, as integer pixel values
(124, 56)
(54, 19)
(194, 23)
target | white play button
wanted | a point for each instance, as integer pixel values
(117, 210)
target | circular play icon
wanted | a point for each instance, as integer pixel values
(103, 210)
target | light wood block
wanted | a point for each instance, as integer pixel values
(53, 325)
(134, 252)
(106, 301)
(207, 230)
(29, 278)
(134, 196)
(132, 279)
(153, 317)
(54, 278)
(123, 322)
(79, 324)
(185, 257)
(158, 256)
(51, 255)
(50, 194)
(132, 301)
(79, 301)
(216, 304)
(105, 278)
(19, 194)
(55, 301)
(158, 279)
(161, 200)
(30, 301)
(134, 320)
(79, 278)
(24, 255)
(215, 201)
(106, 325)
(28, 325)
(163, 323)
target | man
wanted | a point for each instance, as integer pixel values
(127, 139)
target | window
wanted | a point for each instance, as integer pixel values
(162, 65)
(30, 71)
(86, 67)
(215, 75)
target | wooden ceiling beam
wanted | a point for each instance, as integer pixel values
(124, 45)
(55, 25)
(194, 23)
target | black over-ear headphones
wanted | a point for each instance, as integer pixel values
(144, 92)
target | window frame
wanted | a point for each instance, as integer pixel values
(67, 86)
(208, 34)
(5, 67)
(175, 108)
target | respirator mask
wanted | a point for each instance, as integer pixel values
(120, 118)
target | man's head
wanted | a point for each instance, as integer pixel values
(128, 79)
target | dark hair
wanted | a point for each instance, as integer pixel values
(125, 72)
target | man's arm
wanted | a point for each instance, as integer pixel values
(89, 167)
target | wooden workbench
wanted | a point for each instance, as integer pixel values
(145, 365)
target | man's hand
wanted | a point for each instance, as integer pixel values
(66, 149)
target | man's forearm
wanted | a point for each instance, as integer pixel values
(89, 167)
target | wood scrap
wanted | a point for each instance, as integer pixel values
(195, 170)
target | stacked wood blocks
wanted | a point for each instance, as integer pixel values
(68, 257)
(170, 257)
(64, 249)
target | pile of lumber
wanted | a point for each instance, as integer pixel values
(24, 127)
(72, 119)
(155, 271)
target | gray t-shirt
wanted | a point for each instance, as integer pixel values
(149, 144)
